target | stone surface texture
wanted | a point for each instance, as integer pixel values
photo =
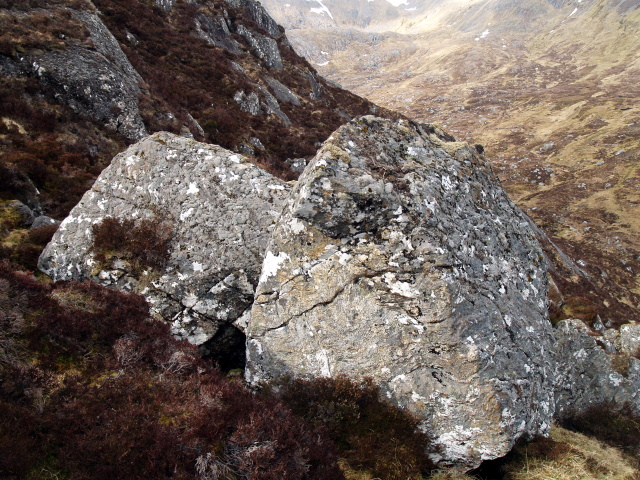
(265, 103)
(263, 47)
(594, 369)
(214, 30)
(97, 82)
(221, 210)
(400, 257)
(282, 92)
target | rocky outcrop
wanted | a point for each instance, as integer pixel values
(215, 31)
(220, 208)
(281, 91)
(165, 5)
(399, 257)
(259, 15)
(263, 47)
(262, 103)
(96, 82)
(317, 92)
(595, 368)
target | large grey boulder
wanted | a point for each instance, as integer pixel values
(220, 208)
(399, 257)
(596, 369)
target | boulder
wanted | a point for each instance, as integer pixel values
(258, 104)
(44, 221)
(215, 31)
(596, 369)
(220, 209)
(25, 213)
(282, 92)
(400, 257)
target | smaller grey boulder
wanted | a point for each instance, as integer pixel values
(26, 214)
(220, 209)
(44, 221)
(593, 369)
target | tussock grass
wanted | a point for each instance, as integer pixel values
(566, 455)
(573, 456)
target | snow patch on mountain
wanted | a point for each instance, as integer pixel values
(397, 3)
(322, 9)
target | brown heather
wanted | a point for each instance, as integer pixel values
(371, 434)
(91, 387)
(145, 243)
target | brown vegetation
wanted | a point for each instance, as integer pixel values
(91, 387)
(145, 243)
(18, 245)
(28, 30)
(616, 426)
(188, 76)
(59, 152)
(371, 434)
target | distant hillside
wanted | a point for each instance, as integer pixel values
(548, 87)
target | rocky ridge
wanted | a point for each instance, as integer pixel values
(82, 79)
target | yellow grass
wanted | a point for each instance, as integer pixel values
(587, 459)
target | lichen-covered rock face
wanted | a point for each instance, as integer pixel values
(596, 370)
(263, 47)
(400, 257)
(220, 208)
(97, 82)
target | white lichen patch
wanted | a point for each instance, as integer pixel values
(615, 379)
(404, 289)
(193, 189)
(130, 160)
(186, 214)
(296, 226)
(197, 267)
(271, 264)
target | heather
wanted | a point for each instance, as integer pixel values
(91, 386)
